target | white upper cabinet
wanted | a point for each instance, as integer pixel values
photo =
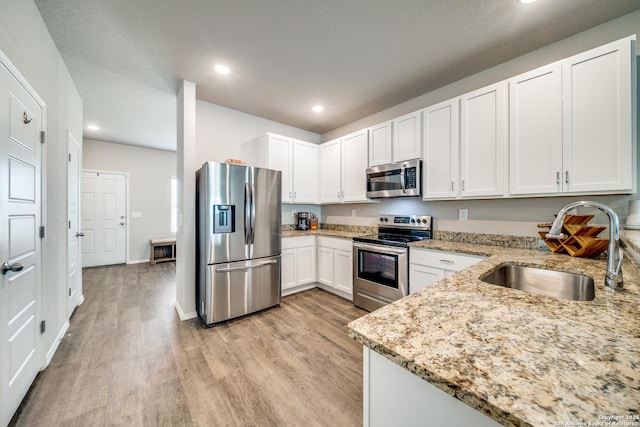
(396, 140)
(279, 151)
(306, 186)
(330, 167)
(297, 160)
(343, 164)
(599, 118)
(407, 143)
(483, 133)
(354, 166)
(441, 142)
(535, 131)
(380, 151)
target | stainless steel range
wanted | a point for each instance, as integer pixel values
(381, 261)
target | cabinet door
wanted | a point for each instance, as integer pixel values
(535, 131)
(305, 172)
(421, 276)
(599, 99)
(288, 268)
(407, 137)
(306, 265)
(343, 271)
(280, 156)
(483, 115)
(330, 167)
(441, 140)
(325, 266)
(380, 151)
(354, 167)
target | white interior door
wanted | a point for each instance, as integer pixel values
(21, 121)
(74, 247)
(103, 218)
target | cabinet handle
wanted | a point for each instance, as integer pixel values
(446, 261)
(463, 185)
(566, 177)
(557, 177)
(451, 186)
(289, 194)
(295, 194)
(342, 193)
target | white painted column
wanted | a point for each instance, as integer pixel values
(186, 235)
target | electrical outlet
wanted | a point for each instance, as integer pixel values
(463, 214)
(294, 213)
(353, 212)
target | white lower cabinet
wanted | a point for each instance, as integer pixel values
(427, 266)
(298, 264)
(335, 266)
(418, 404)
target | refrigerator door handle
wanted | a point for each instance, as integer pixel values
(253, 214)
(246, 267)
(248, 202)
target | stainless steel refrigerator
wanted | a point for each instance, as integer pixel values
(238, 238)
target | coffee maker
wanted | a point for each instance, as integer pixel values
(302, 221)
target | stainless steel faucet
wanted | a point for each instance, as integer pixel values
(613, 277)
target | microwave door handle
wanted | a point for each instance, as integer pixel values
(402, 177)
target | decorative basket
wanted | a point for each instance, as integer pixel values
(581, 240)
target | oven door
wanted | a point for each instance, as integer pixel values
(380, 270)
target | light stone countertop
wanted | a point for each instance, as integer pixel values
(322, 232)
(519, 358)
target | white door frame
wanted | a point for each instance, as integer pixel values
(126, 199)
(5, 62)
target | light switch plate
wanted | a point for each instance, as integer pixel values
(463, 214)
(136, 214)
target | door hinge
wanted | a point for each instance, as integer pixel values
(42, 138)
(69, 291)
(69, 156)
(43, 327)
(42, 231)
(69, 225)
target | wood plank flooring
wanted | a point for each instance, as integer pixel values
(128, 360)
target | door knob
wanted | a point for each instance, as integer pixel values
(79, 234)
(6, 267)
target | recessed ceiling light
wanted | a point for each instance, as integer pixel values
(526, 1)
(222, 69)
(93, 127)
(317, 108)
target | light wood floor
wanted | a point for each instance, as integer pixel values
(128, 360)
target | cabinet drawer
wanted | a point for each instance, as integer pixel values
(441, 259)
(335, 243)
(298, 242)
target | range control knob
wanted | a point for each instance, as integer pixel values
(386, 220)
(412, 220)
(381, 219)
(424, 220)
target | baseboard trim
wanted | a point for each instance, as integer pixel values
(138, 261)
(56, 344)
(182, 315)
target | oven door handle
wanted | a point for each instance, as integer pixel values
(380, 248)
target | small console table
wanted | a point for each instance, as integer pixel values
(161, 250)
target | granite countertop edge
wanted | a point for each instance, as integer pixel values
(488, 362)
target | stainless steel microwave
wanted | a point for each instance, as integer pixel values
(402, 179)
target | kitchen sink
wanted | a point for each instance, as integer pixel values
(558, 284)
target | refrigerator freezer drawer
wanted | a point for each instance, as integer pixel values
(236, 289)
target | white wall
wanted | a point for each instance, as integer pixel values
(150, 173)
(220, 131)
(25, 40)
(534, 210)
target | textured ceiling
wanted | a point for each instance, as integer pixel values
(357, 57)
